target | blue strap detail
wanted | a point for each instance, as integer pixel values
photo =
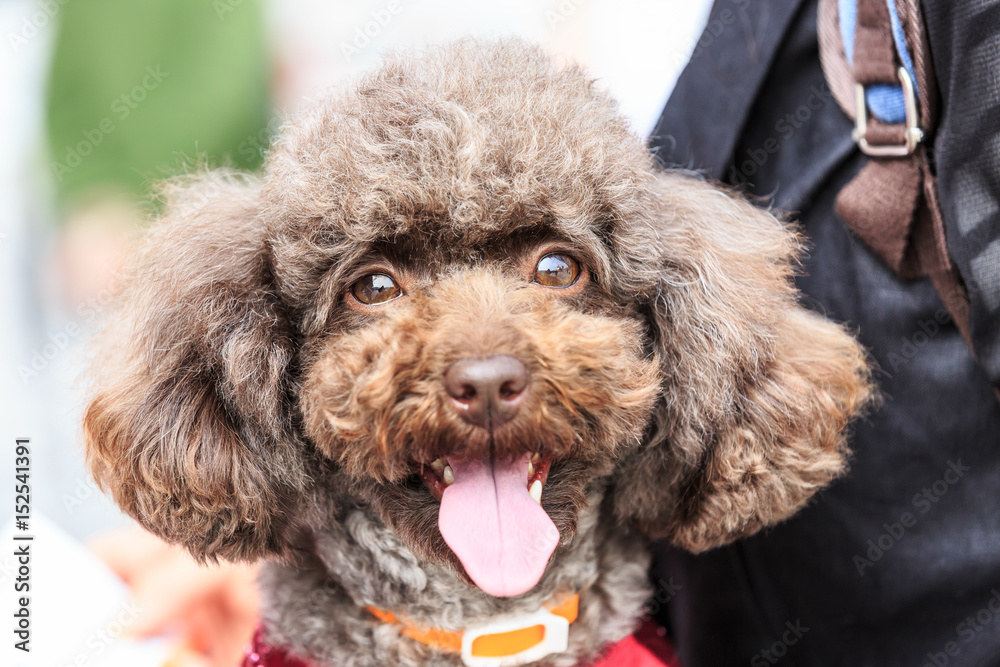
(884, 100)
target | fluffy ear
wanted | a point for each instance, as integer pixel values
(188, 425)
(757, 391)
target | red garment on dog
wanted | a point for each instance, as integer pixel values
(647, 647)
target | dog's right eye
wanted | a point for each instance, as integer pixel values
(557, 270)
(376, 288)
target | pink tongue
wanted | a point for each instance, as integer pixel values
(488, 518)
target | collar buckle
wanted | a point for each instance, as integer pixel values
(515, 641)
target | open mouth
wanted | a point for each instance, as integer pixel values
(439, 475)
(491, 518)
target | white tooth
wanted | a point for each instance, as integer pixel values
(536, 491)
(448, 475)
(531, 469)
(438, 465)
(535, 457)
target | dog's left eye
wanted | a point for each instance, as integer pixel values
(556, 270)
(376, 288)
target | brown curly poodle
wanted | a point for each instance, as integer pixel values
(454, 357)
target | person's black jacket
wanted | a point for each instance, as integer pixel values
(899, 562)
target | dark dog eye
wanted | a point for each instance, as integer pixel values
(556, 270)
(376, 288)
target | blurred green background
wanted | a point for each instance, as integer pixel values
(141, 89)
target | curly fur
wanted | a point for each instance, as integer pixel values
(244, 408)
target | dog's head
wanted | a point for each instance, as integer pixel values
(462, 288)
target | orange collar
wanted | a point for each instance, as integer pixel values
(510, 641)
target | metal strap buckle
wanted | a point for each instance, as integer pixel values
(555, 639)
(914, 135)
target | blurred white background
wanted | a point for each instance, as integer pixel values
(636, 48)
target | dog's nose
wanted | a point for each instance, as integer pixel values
(487, 391)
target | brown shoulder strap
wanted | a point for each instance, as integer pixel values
(892, 204)
(874, 53)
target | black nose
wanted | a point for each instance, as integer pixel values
(487, 391)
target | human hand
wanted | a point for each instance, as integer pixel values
(211, 608)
